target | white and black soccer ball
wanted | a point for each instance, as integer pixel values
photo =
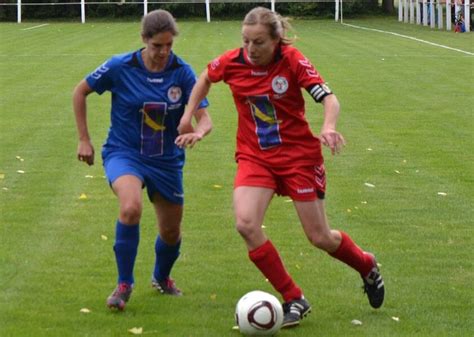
(258, 314)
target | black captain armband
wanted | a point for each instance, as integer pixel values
(319, 91)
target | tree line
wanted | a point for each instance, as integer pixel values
(229, 10)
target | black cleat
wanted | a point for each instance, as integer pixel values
(167, 286)
(120, 296)
(374, 286)
(294, 311)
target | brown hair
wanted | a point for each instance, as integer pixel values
(277, 25)
(158, 21)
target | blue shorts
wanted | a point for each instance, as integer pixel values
(165, 181)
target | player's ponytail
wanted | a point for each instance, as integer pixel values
(278, 26)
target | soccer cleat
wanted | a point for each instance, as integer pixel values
(167, 286)
(120, 296)
(374, 286)
(294, 311)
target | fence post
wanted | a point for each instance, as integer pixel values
(336, 15)
(83, 11)
(208, 11)
(18, 11)
(400, 10)
(145, 7)
(467, 15)
(412, 11)
(440, 15)
(448, 14)
(273, 5)
(432, 15)
(418, 12)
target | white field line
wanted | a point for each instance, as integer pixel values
(34, 27)
(410, 38)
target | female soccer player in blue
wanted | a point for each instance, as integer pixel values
(150, 88)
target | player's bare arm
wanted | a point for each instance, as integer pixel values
(85, 149)
(203, 128)
(329, 136)
(199, 92)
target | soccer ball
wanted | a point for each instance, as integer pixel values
(258, 314)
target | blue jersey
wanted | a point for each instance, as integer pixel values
(146, 106)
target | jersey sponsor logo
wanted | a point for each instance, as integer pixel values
(258, 73)
(154, 80)
(174, 94)
(280, 84)
(99, 71)
(266, 121)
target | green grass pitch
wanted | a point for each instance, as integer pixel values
(407, 116)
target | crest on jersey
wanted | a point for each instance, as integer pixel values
(174, 94)
(280, 84)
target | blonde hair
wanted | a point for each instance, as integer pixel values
(158, 21)
(277, 25)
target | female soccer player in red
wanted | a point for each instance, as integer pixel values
(277, 152)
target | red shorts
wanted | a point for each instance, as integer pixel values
(301, 183)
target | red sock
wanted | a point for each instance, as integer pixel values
(268, 261)
(351, 254)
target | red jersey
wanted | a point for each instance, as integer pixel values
(272, 128)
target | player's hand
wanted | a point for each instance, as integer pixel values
(85, 152)
(188, 139)
(332, 139)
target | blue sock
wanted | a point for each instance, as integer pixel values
(125, 248)
(166, 256)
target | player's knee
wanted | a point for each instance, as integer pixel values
(131, 212)
(322, 241)
(171, 235)
(245, 227)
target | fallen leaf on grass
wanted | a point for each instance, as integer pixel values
(369, 185)
(83, 196)
(396, 319)
(136, 331)
(5, 188)
(19, 158)
(2, 176)
(103, 237)
(235, 327)
(369, 149)
(20, 171)
(85, 310)
(217, 186)
(443, 194)
(288, 200)
(356, 322)
(397, 171)
(89, 176)
(213, 297)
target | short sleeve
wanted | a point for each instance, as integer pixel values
(188, 84)
(306, 73)
(102, 78)
(216, 68)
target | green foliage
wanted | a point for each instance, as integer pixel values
(227, 10)
(407, 118)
